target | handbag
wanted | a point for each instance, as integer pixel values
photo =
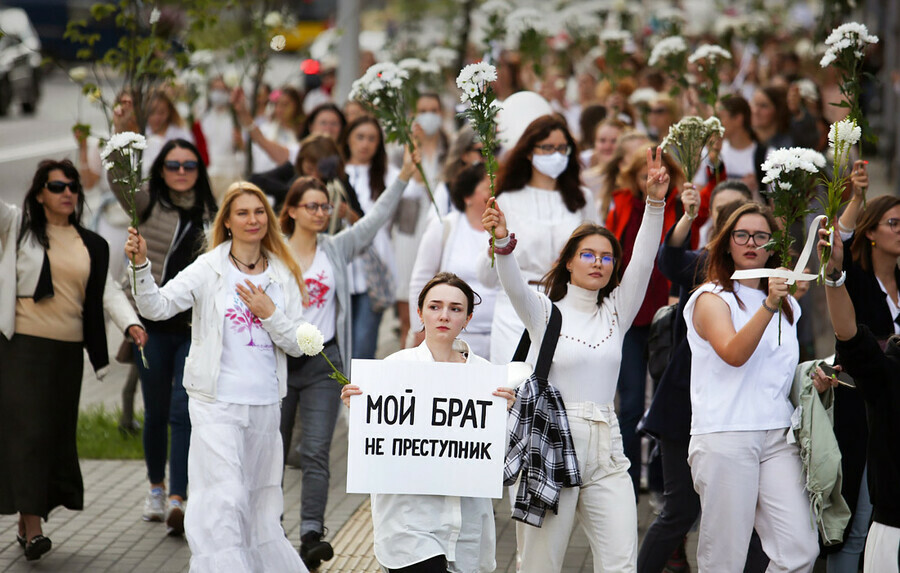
(380, 284)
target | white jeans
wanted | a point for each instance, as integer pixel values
(604, 505)
(882, 549)
(747, 480)
(234, 468)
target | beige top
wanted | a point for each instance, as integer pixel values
(60, 316)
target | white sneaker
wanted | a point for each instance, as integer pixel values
(155, 505)
(175, 518)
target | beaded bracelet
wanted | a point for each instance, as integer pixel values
(503, 250)
(767, 307)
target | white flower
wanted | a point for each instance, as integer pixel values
(231, 78)
(843, 134)
(273, 19)
(713, 125)
(850, 36)
(808, 89)
(611, 36)
(786, 160)
(667, 47)
(521, 20)
(579, 20)
(95, 96)
(417, 65)
(202, 58)
(278, 43)
(709, 53)
(310, 339)
(154, 16)
(643, 96)
(123, 142)
(497, 8)
(444, 57)
(78, 74)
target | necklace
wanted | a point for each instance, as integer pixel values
(251, 266)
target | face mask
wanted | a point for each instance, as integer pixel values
(430, 122)
(219, 98)
(550, 165)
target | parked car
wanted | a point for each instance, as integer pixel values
(20, 61)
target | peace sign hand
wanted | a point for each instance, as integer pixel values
(657, 176)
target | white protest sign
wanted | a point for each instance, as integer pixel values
(430, 428)
(792, 276)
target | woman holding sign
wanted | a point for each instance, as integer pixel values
(433, 533)
(747, 474)
(596, 311)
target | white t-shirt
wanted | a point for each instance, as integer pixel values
(248, 371)
(320, 282)
(751, 397)
(738, 162)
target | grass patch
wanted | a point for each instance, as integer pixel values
(99, 437)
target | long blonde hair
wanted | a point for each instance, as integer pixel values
(272, 242)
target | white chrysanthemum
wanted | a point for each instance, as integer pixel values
(579, 20)
(278, 43)
(273, 19)
(123, 142)
(524, 19)
(786, 160)
(613, 35)
(231, 78)
(154, 16)
(443, 57)
(498, 8)
(808, 89)
(643, 96)
(419, 66)
(844, 133)
(709, 53)
(667, 47)
(78, 73)
(850, 36)
(310, 339)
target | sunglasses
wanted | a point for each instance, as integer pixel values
(176, 165)
(60, 186)
(311, 208)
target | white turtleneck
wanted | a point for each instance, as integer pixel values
(587, 359)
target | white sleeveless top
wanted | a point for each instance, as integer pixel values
(751, 397)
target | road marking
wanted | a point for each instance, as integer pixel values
(50, 147)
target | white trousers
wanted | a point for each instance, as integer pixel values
(604, 505)
(882, 549)
(747, 480)
(234, 468)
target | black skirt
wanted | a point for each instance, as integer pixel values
(40, 385)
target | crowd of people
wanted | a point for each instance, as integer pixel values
(597, 236)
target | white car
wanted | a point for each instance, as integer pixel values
(20, 61)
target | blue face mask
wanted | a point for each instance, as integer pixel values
(550, 165)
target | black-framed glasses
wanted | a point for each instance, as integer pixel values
(548, 148)
(171, 165)
(893, 223)
(60, 186)
(590, 258)
(311, 208)
(741, 238)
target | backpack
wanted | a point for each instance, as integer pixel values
(661, 340)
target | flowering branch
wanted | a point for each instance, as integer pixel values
(670, 57)
(475, 81)
(842, 136)
(846, 49)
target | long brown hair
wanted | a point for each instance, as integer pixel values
(292, 199)
(868, 221)
(378, 165)
(515, 172)
(555, 282)
(272, 242)
(719, 263)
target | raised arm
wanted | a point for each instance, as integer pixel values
(532, 308)
(859, 183)
(840, 306)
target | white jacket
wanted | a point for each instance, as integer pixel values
(412, 528)
(199, 287)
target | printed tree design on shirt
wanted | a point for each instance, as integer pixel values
(317, 290)
(242, 319)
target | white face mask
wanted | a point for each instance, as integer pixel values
(430, 122)
(550, 165)
(219, 98)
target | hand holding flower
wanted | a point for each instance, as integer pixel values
(311, 343)
(138, 335)
(410, 160)
(136, 247)
(494, 220)
(859, 178)
(835, 262)
(690, 199)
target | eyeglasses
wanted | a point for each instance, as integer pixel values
(548, 148)
(590, 258)
(311, 208)
(60, 186)
(760, 238)
(176, 165)
(894, 224)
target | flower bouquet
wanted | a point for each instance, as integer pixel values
(687, 140)
(670, 55)
(842, 136)
(381, 91)
(707, 58)
(791, 176)
(527, 28)
(122, 157)
(613, 42)
(494, 13)
(475, 81)
(311, 342)
(846, 47)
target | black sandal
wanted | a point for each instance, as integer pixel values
(21, 539)
(37, 547)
